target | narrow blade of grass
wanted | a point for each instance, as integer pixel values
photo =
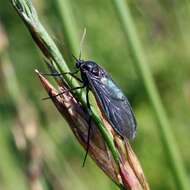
(139, 58)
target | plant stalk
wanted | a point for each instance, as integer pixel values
(139, 58)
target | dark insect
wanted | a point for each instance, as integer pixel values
(111, 100)
(113, 104)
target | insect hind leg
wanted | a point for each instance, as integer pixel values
(89, 127)
(61, 74)
(69, 90)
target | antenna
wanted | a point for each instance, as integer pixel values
(81, 43)
(74, 57)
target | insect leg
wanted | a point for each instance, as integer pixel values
(61, 74)
(89, 122)
(73, 75)
(69, 90)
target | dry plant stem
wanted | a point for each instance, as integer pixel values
(78, 120)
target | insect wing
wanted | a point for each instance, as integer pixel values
(114, 104)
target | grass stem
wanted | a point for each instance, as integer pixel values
(139, 58)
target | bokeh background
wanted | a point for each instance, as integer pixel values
(37, 149)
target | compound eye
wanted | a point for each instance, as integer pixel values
(79, 63)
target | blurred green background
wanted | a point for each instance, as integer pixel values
(37, 149)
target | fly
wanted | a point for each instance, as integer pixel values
(110, 98)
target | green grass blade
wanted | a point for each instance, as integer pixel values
(171, 149)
